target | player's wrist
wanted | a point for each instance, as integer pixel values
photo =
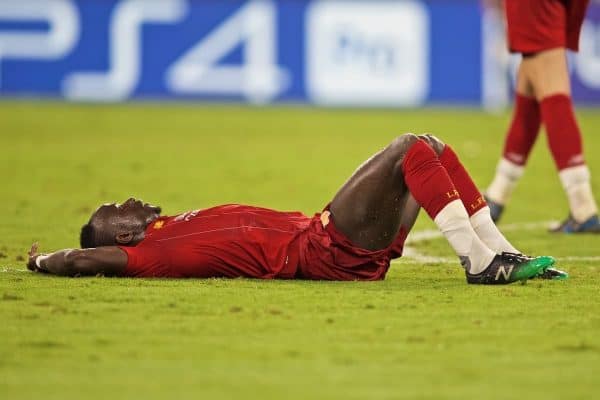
(39, 259)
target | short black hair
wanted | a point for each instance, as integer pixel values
(87, 238)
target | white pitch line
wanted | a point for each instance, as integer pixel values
(8, 269)
(428, 234)
(578, 258)
(424, 259)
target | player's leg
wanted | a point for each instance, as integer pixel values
(478, 211)
(409, 216)
(521, 137)
(477, 208)
(548, 72)
(369, 207)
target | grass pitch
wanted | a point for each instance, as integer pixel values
(422, 333)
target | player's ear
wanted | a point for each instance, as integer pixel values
(124, 237)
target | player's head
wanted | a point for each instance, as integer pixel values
(118, 224)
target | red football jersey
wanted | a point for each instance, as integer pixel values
(244, 241)
(225, 241)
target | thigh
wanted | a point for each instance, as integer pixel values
(369, 207)
(548, 73)
(524, 87)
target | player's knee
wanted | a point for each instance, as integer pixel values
(435, 143)
(402, 144)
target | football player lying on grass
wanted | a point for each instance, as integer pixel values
(354, 238)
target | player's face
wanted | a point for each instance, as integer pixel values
(132, 215)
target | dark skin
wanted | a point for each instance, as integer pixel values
(369, 209)
(374, 203)
(121, 224)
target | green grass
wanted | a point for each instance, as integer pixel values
(420, 334)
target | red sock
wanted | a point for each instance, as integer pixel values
(427, 180)
(564, 137)
(523, 130)
(469, 194)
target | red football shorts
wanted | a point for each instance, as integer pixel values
(327, 254)
(537, 25)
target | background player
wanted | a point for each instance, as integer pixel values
(542, 30)
(362, 229)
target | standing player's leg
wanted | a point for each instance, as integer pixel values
(521, 137)
(543, 30)
(368, 209)
(548, 73)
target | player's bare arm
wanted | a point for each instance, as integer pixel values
(108, 261)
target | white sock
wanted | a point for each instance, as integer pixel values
(454, 223)
(489, 233)
(576, 182)
(505, 181)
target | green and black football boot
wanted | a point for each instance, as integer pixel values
(510, 267)
(551, 273)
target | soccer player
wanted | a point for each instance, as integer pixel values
(542, 30)
(356, 236)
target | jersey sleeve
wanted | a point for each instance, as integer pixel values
(145, 261)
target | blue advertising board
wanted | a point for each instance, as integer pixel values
(324, 52)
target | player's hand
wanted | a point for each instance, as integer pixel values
(33, 255)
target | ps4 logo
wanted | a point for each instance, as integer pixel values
(327, 52)
(58, 40)
(257, 78)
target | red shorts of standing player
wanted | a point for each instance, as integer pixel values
(542, 30)
(355, 238)
(538, 25)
